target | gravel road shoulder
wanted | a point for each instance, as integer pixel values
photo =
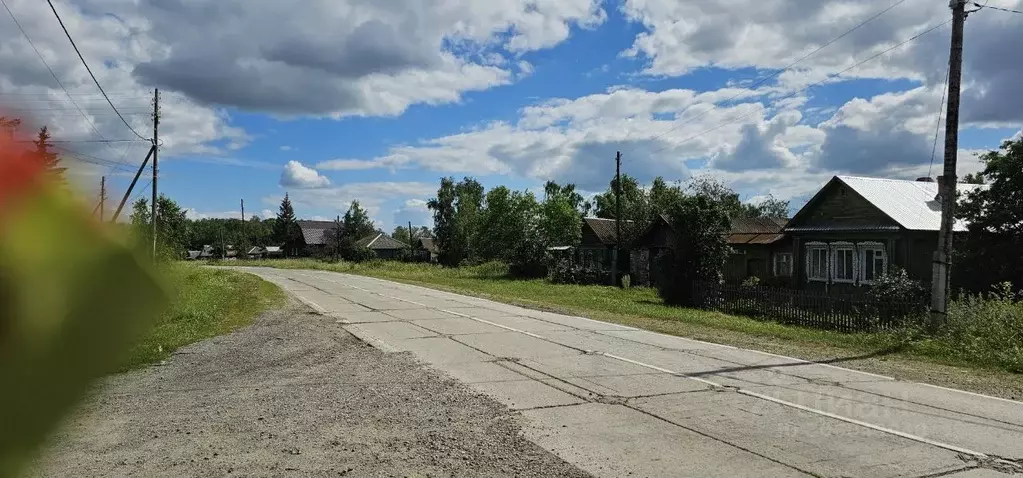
(293, 395)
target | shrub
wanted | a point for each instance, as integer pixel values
(752, 281)
(358, 254)
(986, 328)
(896, 286)
(405, 255)
(566, 271)
(529, 258)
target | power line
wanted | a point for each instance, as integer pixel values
(794, 93)
(779, 72)
(47, 65)
(80, 57)
(998, 8)
(937, 127)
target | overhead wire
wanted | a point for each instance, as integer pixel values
(937, 127)
(47, 65)
(775, 74)
(796, 92)
(998, 8)
(86, 64)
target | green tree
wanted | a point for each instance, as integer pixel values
(356, 223)
(973, 178)
(443, 207)
(992, 252)
(633, 199)
(700, 248)
(43, 151)
(171, 225)
(401, 234)
(286, 230)
(770, 207)
(498, 227)
(560, 222)
(468, 202)
(529, 256)
(662, 197)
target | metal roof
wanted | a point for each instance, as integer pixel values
(912, 204)
(757, 225)
(312, 231)
(380, 241)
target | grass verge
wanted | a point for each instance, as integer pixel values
(204, 303)
(886, 353)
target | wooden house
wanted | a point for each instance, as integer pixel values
(854, 229)
(427, 249)
(759, 248)
(597, 243)
(314, 237)
(385, 247)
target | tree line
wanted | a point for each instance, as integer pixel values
(472, 225)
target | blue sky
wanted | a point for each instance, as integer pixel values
(376, 101)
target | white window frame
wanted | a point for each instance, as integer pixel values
(876, 247)
(779, 255)
(810, 248)
(836, 247)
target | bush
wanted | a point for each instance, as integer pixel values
(896, 286)
(359, 254)
(405, 255)
(752, 281)
(565, 271)
(987, 328)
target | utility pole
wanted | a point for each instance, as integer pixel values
(337, 238)
(102, 196)
(410, 238)
(947, 182)
(131, 187)
(618, 218)
(245, 238)
(156, 150)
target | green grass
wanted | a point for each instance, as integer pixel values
(642, 308)
(204, 303)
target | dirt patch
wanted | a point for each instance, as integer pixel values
(293, 394)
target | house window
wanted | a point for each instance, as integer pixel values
(844, 266)
(873, 261)
(817, 262)
(783, 264)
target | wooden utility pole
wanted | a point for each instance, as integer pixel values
(337, 238)
(102, 196)
(156, 154)
(127, 193)
(947, 182)
(618, 218)
(245, 239)
(410, 238)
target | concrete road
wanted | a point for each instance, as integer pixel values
(618, 401)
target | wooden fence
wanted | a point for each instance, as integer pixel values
(841, 312)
